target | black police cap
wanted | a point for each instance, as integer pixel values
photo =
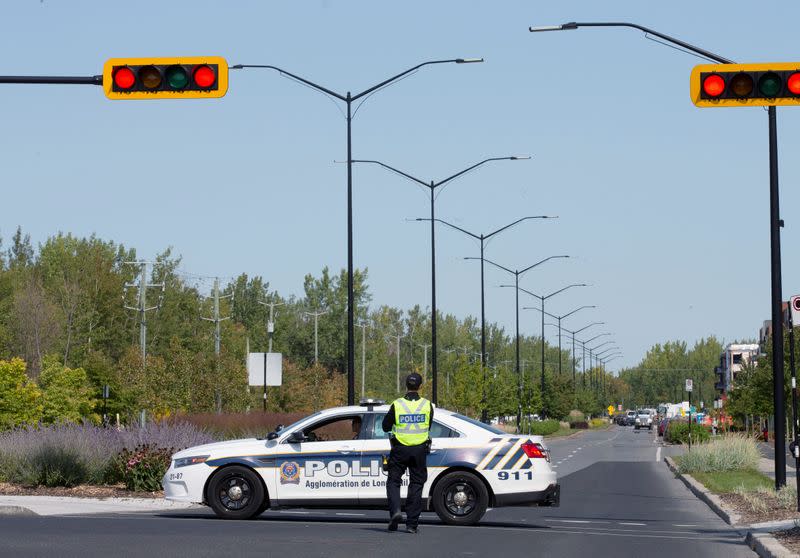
(413, 381)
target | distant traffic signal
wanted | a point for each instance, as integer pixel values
(193, 77)
(737, 85)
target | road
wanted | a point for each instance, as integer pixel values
(618, 500)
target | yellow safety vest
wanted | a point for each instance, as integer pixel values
(412, 421)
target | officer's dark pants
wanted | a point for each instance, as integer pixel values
(413, 458)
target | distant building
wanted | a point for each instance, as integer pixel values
(732, 360)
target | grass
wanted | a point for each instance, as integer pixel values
(561, 432)
(727, 482)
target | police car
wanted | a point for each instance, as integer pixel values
(333, 459)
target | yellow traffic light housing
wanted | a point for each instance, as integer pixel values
(191, 77)
(746, 85)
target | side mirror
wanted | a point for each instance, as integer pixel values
(272, 435)
(296, 437)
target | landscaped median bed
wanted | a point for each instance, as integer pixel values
(728, 467)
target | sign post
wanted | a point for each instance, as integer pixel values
(264, 369)
(689, 387)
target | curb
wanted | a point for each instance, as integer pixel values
(712, 500)
(767, 546)
(16, 510)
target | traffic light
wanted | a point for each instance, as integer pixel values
(192, 77)
(743, 85)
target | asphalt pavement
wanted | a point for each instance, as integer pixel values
(618, 500)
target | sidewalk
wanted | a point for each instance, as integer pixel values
(64, 505)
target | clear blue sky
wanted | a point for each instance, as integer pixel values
(663, 206)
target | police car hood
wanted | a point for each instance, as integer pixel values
(217, 448)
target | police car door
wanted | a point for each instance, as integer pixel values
(324, 466)
(377, 445)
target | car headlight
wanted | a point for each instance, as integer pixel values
(637, 420)
(194, 460)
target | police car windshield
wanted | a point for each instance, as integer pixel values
(291, 426)
(485, 426)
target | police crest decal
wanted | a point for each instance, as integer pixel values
(290, 473)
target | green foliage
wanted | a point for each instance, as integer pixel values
(20, 399)
(544, 427)
(725, 482)
(678, 433)
(598, 423)
(726, 453)
(67, 394)
(55, 466)
(142, 468)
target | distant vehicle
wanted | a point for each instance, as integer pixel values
(630, 418)
(643, 419)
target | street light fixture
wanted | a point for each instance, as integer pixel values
(482, 238)
(432, 185)
(559, 318)
(348, 99)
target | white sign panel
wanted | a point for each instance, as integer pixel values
(688, 384)
(255, 368)
(794, 308)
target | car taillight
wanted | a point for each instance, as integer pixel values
(534, 450)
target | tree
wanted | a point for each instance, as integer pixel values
(20, 399)
(67, 394)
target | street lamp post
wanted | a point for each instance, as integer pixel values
(775, 240)
(348, 99)
(574, 359)
(542, 299)
(559, 318)
(517, 273)
(483, 238)
(432, 185)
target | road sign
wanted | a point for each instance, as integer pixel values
(255, 369)
(188, 77)
(688, 385)
(683, 412)
(745, 85)
(610, 410)
(794, 307)
(619, 407)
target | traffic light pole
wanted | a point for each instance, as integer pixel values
(778, 376)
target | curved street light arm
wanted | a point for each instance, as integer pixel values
(586, 327)
(576, 310)
(540, 263)
(401, 173)
(452, 226)
(532, 294)
(539, 310)
(476, 165)
(565, 288)
(410, 70)
(491, 234)
(607, 350)
(594, 349)
(595, 337)
(316, 86)
(673, 40)
(512, 272)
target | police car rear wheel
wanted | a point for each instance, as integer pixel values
(460, 498)
(236, 493)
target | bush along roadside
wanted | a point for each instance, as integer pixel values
(67, 455)
(678, 433)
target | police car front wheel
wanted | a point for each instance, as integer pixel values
(236, 492)
(460, 498)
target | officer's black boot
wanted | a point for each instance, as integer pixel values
(395, 520)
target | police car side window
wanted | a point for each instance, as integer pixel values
(334, 430)
(438, 430)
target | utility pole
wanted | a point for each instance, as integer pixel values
(316, 332)
(141, 308)
(363, 325)
(217, 319)
(271, 321)
(217, 335)
(425, 358)
(397, 338)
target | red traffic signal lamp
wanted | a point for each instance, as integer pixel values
(738, 85)
(192, 77)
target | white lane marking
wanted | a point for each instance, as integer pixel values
(658, 454)
(572, 521)
(634, 524)
(295, 512)
(684, 525)
(352, 514)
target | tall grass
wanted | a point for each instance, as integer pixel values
(240, 425)
(71, 454)
(734, 452)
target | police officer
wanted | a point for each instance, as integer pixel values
(409, 420)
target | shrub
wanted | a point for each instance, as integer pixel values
(678, 433)
(733, 452)
(598, 423)
(579, 425)
(142, 468)
(576, 416)
(68, 454)
(544, 427)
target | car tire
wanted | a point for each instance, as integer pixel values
(460, 498)
(236, 492)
